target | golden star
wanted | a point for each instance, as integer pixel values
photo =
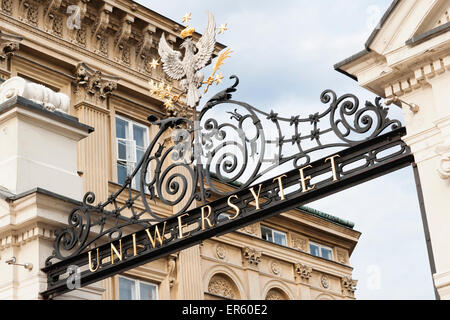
(186, 18)
(154, 64)
(223, 28)
(168, 103)
(219, 78)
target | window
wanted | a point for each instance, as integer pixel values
(132, 142)
(274, 236)
(319, 250)
(130, 289)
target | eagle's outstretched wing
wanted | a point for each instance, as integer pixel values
(171, 60)
(206, 44)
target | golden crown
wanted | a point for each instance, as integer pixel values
(187, 32)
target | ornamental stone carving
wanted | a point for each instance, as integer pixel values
(7, 6)
(299, 243)
(222, 287)
(303, 270)
(324, 281)
(51, 20)
(251, 229)
(122, 49)
(99, 31)
(275, 294)
(251, 257)
(92, 85)
(144, 47)
(348, 286)
(50, 100)
(29, 11)
(443, 169)
(275, 267)
(341, 256)
(221, 251)
(9, 44)
(171, 265)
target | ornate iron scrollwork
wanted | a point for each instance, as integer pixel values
(186, 162)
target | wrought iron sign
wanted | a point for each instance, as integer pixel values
(230, 166)
(185, 177)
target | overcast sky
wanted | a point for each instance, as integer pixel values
(284, 52)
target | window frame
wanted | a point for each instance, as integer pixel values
(320, 246)
(137, 287)
(131, 124)
(273, 237)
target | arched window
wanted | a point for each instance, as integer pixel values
(221, 286)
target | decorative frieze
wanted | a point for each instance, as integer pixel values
(348, 286)
(92, 85)
(251, 257)
(303, 270)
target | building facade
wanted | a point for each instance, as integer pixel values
(102, 55)
(407, 61)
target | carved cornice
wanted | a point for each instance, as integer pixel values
(50, 9)
(143, 48)
(92, 85)
(99, 36)
(421, 77)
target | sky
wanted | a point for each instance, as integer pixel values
(283, 53)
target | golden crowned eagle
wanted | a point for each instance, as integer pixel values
(196, 57)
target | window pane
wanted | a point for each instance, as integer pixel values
(326, 253)
(121, 150)
(139, 135)
(314, 250)
(266, 234)
(121, 173)
(147, 291)
(139, 154)
(279, 238)
(127, 289)
(121, 128)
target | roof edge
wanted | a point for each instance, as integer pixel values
(381, 23)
